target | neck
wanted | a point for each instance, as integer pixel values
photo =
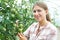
(43, 23)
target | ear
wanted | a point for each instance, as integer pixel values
(46, 12)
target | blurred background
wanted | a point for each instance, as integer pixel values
(16, 16)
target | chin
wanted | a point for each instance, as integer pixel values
(39, 20)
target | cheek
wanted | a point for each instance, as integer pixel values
(43, 14)
(34, 14)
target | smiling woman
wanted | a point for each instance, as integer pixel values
(43, 29)
(36, 8)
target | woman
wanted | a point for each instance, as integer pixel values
(42, 29)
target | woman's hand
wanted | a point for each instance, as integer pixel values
(21, 36)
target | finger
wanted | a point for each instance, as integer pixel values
(21, 34)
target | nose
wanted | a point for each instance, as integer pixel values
(36, 14)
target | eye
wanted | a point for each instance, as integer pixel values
(34, 11)
(38, 10)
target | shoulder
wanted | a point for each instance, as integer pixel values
(30, 28)
(52, 28)
(33, 24)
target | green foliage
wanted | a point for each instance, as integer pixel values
(14, 18)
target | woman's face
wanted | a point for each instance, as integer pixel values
(39, 13)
